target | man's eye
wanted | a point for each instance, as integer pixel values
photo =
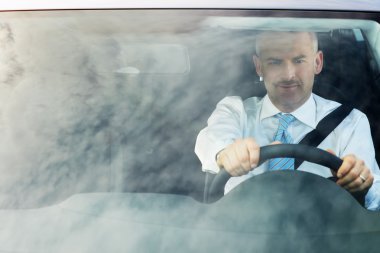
(274, 62)
(298, 61)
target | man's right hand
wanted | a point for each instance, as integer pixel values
(240, 157)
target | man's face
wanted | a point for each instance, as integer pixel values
(287, 62)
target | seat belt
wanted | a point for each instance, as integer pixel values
(324, 128)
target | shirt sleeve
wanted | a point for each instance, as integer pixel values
(223, 127)
(361, 145)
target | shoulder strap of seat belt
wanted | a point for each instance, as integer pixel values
(324, 128)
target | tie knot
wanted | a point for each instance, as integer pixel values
(285, 120)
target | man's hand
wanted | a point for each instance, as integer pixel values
(239, 157)
(354, 175)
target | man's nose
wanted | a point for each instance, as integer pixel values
(289, 71)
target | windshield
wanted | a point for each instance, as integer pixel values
(119, 120)
(112, 101)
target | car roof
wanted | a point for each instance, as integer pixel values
(355, 5)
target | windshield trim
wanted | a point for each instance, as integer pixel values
(362, 5)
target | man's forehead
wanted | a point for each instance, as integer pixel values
(268, 35)
(297, 43)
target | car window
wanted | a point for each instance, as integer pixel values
(113, 100)
(101, 112)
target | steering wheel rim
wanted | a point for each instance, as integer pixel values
(297, 151)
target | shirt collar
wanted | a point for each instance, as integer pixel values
(306, 113)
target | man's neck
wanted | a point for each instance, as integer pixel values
(289, 108)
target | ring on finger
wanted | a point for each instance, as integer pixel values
(362, 178)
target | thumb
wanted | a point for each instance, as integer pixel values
(275, 143)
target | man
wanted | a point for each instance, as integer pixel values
(287, 63)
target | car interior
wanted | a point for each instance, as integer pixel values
(350, 76)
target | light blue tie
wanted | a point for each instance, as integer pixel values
(282, 135)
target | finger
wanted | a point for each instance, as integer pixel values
(347, 165)
(352, 175)
(236, 167)
(228, 165)
(240, 171)
(352, 178)
(353, 184)
(219, 160)
(365, 181)
(254, 152)
(242, 155)
(232, 163)
(359, 181)
(275, 143)
(330, 151)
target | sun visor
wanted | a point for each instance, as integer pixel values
(145, 58)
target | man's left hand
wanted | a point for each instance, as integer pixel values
(354, 175)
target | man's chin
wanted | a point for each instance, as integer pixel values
(291, 103)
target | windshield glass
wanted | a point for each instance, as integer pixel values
(150, 131)
(113, 101)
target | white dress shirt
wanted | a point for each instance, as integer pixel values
(234, 118)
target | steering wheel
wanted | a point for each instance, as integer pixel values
(297, 151)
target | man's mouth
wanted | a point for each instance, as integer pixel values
(288, 85)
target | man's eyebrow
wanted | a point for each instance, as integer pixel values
(299, 57)
(279, 59)
(272, 59)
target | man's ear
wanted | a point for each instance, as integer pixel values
(318, 63)
(257, 63)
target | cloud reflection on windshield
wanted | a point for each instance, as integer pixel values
(72, 122)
